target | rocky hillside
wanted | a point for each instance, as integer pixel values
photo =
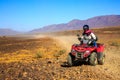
(95, 22)
(8, 32)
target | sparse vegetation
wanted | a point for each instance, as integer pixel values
(25, 50)
(115, 44)
(59, 53)
(39, 55)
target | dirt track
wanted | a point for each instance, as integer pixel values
(51, 69)
(109, 71)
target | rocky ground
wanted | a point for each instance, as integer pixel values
(53, 68)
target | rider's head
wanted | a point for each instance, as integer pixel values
(85, 27)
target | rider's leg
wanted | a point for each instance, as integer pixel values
(95, 44)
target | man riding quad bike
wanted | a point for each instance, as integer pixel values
(87, 51)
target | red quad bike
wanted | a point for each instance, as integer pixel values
(84, 53)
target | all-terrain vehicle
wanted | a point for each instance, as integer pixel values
(86, 53)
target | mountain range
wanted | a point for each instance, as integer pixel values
(76, 24)
(8, 32)
(95, 22)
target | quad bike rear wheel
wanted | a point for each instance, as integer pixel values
(101, 58)
(93, 59)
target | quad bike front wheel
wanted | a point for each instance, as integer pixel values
(70, 60)
(93, 59)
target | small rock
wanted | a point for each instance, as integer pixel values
(49, 62)
(25, 74)
(53, 73)
(106, 69)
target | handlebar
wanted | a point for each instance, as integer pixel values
(78, 35)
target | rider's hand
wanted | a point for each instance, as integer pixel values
(79, 38)
(89, 42)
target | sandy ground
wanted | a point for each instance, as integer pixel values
(51, 69)
(110, 70)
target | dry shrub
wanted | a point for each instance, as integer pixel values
(115, 44)
(38, 55)
(59, 53)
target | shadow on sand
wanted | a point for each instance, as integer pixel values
(65, 64)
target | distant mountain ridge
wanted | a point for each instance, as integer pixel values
(4, 32)
(76, 24)
(95, 22)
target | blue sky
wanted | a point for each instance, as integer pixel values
(25, 15)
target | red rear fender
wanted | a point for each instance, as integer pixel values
(100, 48)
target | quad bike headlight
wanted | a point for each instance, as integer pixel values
(87, 51)
(73, 52)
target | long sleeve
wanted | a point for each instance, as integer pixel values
(93, 36)
(82, 38)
